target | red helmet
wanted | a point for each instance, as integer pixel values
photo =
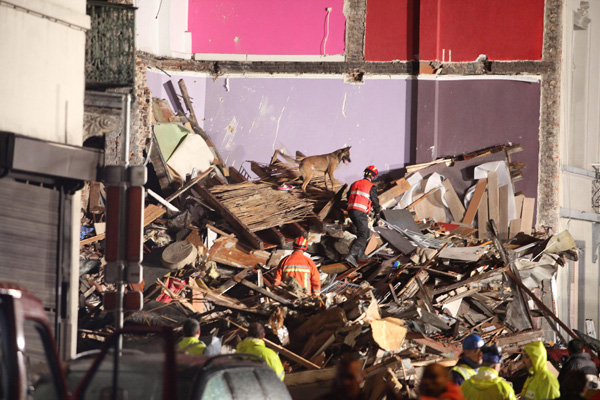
(371, 170)
(300, 243)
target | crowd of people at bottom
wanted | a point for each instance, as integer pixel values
(474, 377)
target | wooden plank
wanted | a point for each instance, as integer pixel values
(327, 208)
(476, 278)
(235, 176)
(519, 204)
(493, 197)
(540, 304)
(94, 203)
(296, 229)
(281, 350)
(420, 199)
(401, 185)
(151, 213)
(456, 207)
(310, 377)
(273, 296)
(458, 296)
(503, 208)
(274, 235)
(527, 215)
(475, 201)
(244, 231)
(231, 282)
(231, 252)
(483, 217)
(160, 165)
(515, 227)
(189, 185)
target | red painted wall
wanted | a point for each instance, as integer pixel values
(387, 30)
(462, 29)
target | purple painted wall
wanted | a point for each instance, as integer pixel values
(475, 114)
(248, 118)
(158, 83)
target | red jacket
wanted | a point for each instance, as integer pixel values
(452, 392)
(360, 196)
(302, 269)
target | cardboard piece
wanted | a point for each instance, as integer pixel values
(193, 152)
(389, 333)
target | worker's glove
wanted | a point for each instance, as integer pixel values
(377, 221)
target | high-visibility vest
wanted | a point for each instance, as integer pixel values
(465, 371)
(302, 269)
(360, 196)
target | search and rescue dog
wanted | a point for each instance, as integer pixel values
(326, 163)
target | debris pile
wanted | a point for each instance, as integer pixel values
(454, 254)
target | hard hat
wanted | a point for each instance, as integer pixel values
(371, 170)
(300, 243)
(473, 342)
(491, 353)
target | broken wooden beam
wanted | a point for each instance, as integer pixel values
(189, 185)
(244, 231)
(281, 350)
(327, 208)
(540, 304)
(400, 186)
(273, 296)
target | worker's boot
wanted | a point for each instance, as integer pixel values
(362, 256)
(350, 259)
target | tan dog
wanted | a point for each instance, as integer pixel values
(326, 163)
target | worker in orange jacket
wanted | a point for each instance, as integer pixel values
(299, 267)
(361, 200)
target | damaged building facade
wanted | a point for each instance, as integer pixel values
(351, 77)
(496, 120)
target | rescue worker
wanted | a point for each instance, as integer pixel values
(191, 344)
(255, 344)
(436, 385)
(578, 361)
(361, 200)
(541, 384)
(299, 267)
(486, 384)
(469, 360)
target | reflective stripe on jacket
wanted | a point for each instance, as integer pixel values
(302, 269)
(257, 347)
(360, 196)
(191, 345)
(487, 385)
(464, 370)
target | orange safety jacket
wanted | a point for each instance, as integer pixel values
(302, 269)
(360, 196)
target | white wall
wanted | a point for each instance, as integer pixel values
(580, 148)
(42, 69)
(42, 85)
(161, 28)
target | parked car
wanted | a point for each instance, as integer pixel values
(30, 368)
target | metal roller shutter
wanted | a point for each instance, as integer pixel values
(29, 238)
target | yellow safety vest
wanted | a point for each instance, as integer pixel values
(465, 371)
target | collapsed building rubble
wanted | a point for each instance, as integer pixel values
(455, 254)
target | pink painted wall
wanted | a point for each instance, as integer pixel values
(277, 27)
